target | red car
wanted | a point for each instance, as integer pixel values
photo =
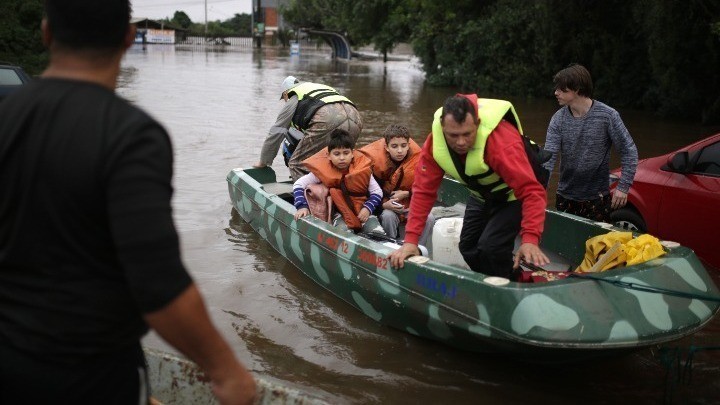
(676, 197)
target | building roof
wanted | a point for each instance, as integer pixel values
(144, 22)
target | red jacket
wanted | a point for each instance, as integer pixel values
(505, 154)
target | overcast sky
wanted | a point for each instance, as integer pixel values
(195, 9)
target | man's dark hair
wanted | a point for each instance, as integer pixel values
(340, 138)
(459, 107)
(88, 24)
(576, 78)
(396, 131)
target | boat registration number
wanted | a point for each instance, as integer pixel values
(333, 243)
(372, 259)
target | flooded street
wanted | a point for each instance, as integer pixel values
(218, 106)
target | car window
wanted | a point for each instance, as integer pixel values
(709, 160)
(9, 77)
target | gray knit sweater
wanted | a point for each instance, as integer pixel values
(584, 145)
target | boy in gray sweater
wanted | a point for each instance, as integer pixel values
(582, 131)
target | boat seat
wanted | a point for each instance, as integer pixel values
(443, 211)
(281, 189)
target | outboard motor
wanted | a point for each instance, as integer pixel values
(291, 141)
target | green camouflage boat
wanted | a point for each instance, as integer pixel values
(561, 320)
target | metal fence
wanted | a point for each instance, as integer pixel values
(207, 41)
(246, 42)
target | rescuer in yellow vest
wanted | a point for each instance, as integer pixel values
(311, 112)
(478, 142)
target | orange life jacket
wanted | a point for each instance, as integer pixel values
(391, 176)
(355, 180)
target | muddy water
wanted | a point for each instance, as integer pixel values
(218, 105)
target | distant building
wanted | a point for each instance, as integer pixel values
(156, 32)
(266, 18)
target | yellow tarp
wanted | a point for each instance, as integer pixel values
(629, 251)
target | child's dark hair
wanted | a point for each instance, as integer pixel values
(576, 78)
(396, 131)
(340, 138)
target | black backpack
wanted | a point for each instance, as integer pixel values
(537, 156)
(535, 153)
(290, 143)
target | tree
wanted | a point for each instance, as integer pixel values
(181, 19)
(640, 52)
(684, 58)
(442, 39)
(307, 13)
(383, 23)
(20, 40)
(240, 24)
(380, 22)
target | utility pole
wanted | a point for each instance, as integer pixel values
(206, 19)
(259, 25)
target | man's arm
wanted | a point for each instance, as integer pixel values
(428, 177)
(138, 188)
(277, 133)
(185, 324)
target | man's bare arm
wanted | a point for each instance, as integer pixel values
(185, 324)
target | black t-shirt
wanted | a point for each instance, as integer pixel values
(87, 240)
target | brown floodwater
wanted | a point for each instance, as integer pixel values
(218, 105)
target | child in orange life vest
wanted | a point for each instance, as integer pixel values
(394, 157)
(347, 174)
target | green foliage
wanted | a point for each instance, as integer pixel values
(20, 40)
(240, 24)
(217, 28)
(310, 14)
(684, 60)
(663, 56)
(180, 19)
(490, 43)
(660, 55)
(603, 36)
(380, 22)
(439, 41)
(383, 23)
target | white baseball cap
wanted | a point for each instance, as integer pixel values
(289, 83)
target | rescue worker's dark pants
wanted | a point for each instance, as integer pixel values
(326, 119)
(488, 236)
